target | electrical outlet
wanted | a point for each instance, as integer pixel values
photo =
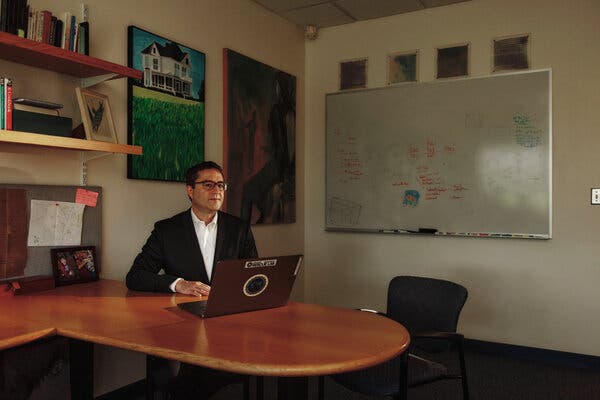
(596, 196)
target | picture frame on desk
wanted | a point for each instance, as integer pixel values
(71, 265)
(96, 115)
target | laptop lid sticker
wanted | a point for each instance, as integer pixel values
(255, 285)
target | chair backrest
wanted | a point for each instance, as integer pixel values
(425, 304)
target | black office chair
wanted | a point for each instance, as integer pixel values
(429, 309)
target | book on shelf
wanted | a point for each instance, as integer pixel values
(37, 103)
(72, 33)
(1, 102)
(83, 38)
(53, 20)
(58, 35)
(67, 30)
(34, 109)
(34, 122)
(7, 104)
(46, 26)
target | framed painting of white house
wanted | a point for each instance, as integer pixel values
(165, 108)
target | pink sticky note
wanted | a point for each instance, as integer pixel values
(86, 197)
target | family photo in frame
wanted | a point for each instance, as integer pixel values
(74, 265)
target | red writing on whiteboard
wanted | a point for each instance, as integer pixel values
(429, 179)
(458, 187)
(434, 192)
(413, 152)
(449, 148)
(430, 149)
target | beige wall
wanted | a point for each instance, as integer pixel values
(534, 293)
(131, 207)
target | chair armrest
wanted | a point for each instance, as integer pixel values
(451, 336)
(372, 311)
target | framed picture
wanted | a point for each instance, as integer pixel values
(96, 115)
(402, 67)
(74, 265)
(259, 140)
(453, 61)
(510, 53)
(353, 74)
(165, 108)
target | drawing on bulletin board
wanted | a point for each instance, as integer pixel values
(467, 157)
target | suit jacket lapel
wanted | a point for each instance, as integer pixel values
(196, 259)
(221, 231)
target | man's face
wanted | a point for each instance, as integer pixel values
(206, 201)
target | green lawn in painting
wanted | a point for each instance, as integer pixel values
(170, 130)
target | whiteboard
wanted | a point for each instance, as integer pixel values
(467, 157)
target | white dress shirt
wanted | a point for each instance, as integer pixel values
(207, 240)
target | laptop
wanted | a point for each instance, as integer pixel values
(248, 285)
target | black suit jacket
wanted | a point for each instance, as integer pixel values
(173, 247)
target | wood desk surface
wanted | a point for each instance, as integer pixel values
(295, 340)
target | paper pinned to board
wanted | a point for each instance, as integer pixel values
(87, 197)
(55, 223)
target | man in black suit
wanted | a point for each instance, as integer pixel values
(187, 247)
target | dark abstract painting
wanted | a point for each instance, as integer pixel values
(260, 135)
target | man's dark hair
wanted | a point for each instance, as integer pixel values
(192, 173)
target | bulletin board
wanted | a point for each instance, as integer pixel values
(38, 260)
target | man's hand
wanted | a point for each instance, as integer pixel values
(194, 288)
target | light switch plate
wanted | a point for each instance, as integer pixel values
(596, 196)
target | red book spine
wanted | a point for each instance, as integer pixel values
(47, 26)
(9, 105)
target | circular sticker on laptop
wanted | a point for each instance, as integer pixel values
(255, 285)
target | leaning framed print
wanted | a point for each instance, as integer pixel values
(165, 108)
(74, 265)
(96, 115)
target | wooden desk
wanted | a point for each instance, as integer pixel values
(295, 340)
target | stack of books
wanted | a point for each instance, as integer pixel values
(39, 116)
(6, 104)
(19, 18)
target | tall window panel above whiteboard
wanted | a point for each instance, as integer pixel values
(468, 157)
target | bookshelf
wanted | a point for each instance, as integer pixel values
(90, 69)
(45, 56)
(58, 142)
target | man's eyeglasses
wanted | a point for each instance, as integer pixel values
(210, 185)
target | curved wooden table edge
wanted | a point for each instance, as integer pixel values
(253, 369)
(25, 338)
